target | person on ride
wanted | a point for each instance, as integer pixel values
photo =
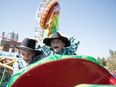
(28, 54)
(59, 44)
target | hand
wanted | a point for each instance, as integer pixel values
(39, 41)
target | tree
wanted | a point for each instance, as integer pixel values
(102, 61)
(111, 60)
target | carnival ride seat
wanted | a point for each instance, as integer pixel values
(67, 72)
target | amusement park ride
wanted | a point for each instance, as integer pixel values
(47, 18)
(58, 70)
(7, 54)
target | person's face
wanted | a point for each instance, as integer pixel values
(57, 45)
(27, 55)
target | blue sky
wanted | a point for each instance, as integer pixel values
(92, 22)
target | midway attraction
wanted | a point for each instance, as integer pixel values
(55, 70)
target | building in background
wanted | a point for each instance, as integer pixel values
(7, 41)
